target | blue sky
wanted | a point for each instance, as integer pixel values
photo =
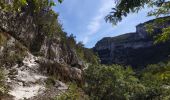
(85, 19)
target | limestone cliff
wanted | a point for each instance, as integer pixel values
(135, 49)
(29, 56)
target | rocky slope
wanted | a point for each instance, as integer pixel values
(135, 49)
(29, 57)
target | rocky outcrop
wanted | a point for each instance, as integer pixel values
(136, 49)
(22, 27)
(29, 56)
(23, 73)
(157, 25)
(25, 81)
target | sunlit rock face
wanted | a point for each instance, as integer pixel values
(56, 51)
(25, 80)
(29, 56)
(136, 49)
(22, 28)
(22, 72)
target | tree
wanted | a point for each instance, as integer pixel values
(121, 83)
(124, 7)
(40, 10)
(71, 41)
(16, 5)
(156, 79)
(112, 82)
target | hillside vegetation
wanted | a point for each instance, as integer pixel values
(39, 61)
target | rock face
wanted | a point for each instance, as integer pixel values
(29, 56)
(135, 49)
(25, 80)
(23, 29)
(23, 72)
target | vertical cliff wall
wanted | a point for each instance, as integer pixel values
(135, 49)
(29, 56)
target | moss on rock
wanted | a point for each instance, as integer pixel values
(3, 39)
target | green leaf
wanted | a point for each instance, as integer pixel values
(23, 2)
(52, 3)
(60, 1)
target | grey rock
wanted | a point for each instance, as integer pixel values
(135, 49)
(60, 85)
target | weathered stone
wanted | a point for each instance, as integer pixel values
(60, 85)
(23, 29)
(135, 49)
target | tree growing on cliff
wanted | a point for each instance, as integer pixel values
(17, 5)
(41, 11)
(124, 7)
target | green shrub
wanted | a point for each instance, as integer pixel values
(73, 93)
(13, 53)
(50, 81)
(112, 82)
(121, 83)
(2, 39)
(156, 79)
(3, 87)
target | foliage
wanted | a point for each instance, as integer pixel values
(73, 93)
(41, 11)
(71, 41)
(84, 53)
(50, 81)
(87, 54)
(159, 23)
(17, 5)
(3, 87)
(156, 79)
(3, 39)
(115, 82)
(16, 56)
(46, 21)
(108, 82)
(124, 7)
(165, 36)
(162, 8)
(11, 53)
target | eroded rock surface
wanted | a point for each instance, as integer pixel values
(30, 56)
(136, 49)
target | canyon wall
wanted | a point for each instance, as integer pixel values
(136, 49)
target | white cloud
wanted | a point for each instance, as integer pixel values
(94, 25)
(98, 20)
(86, 39)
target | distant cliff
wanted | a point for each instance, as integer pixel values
(135, 49)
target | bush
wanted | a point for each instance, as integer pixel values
(3, 87)
(121, 83)
(73, 93)
(112, 82)
(156, 79)
(13, 54)
(50, 81)
(2, 39)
